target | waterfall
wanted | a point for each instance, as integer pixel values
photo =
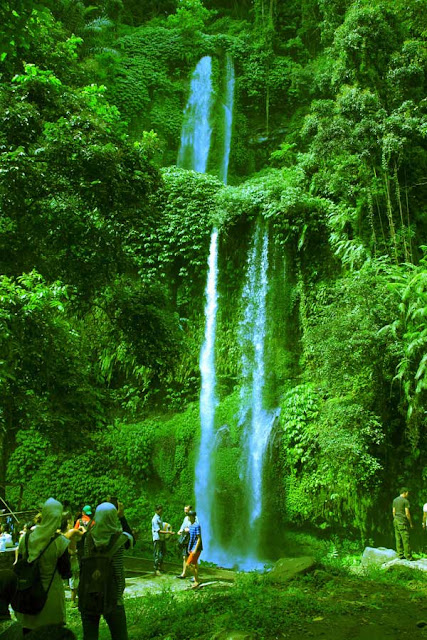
(196, 129)
(256, 421)
(194, 154)
(204, 484)
(228, 115)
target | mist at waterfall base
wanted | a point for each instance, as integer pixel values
(231, 533)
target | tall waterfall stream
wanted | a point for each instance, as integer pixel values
(255, 420)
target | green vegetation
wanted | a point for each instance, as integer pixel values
(103, 250)
(335, 596)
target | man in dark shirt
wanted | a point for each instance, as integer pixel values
(401, 522)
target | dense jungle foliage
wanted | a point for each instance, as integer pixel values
(104, 244)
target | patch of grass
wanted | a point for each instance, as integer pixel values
(401, 576)
(249, 604)
(252, 603)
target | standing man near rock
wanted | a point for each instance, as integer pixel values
(402, 522)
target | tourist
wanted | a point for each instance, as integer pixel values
(82, 524)
(5, 537)
(85, 518)
(195, 547)
(106, 536)
(54, 565)
(9, 629)
(402, 522)
(159, 533)
(185, 538)
(73, 581)
(122, 519)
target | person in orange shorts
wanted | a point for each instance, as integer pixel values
(195, 547)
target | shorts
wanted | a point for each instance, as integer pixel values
(193, 557)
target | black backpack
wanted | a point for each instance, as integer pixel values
(81, 541)
(98, 583)
(30, 596)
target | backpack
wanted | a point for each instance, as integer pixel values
(98, 583)
(81, 541)
(30, 596)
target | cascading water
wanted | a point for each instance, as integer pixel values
(196, 129)
(257, 421)
(204, 485)
(194, 154)
(228, 116)
(199, 138)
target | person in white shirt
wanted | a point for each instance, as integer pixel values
(159, 531)
(5, 537)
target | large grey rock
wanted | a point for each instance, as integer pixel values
(388, 559)
(377, 556)
(287, 568)
(398, 565)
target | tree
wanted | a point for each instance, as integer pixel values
(46, 383)
(409, 285)
(75, 192)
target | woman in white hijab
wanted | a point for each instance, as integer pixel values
(54, 565)
(103, 534)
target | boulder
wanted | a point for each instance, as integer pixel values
(287, 568)
(400, 565)
(388, 559)
(377, 556)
